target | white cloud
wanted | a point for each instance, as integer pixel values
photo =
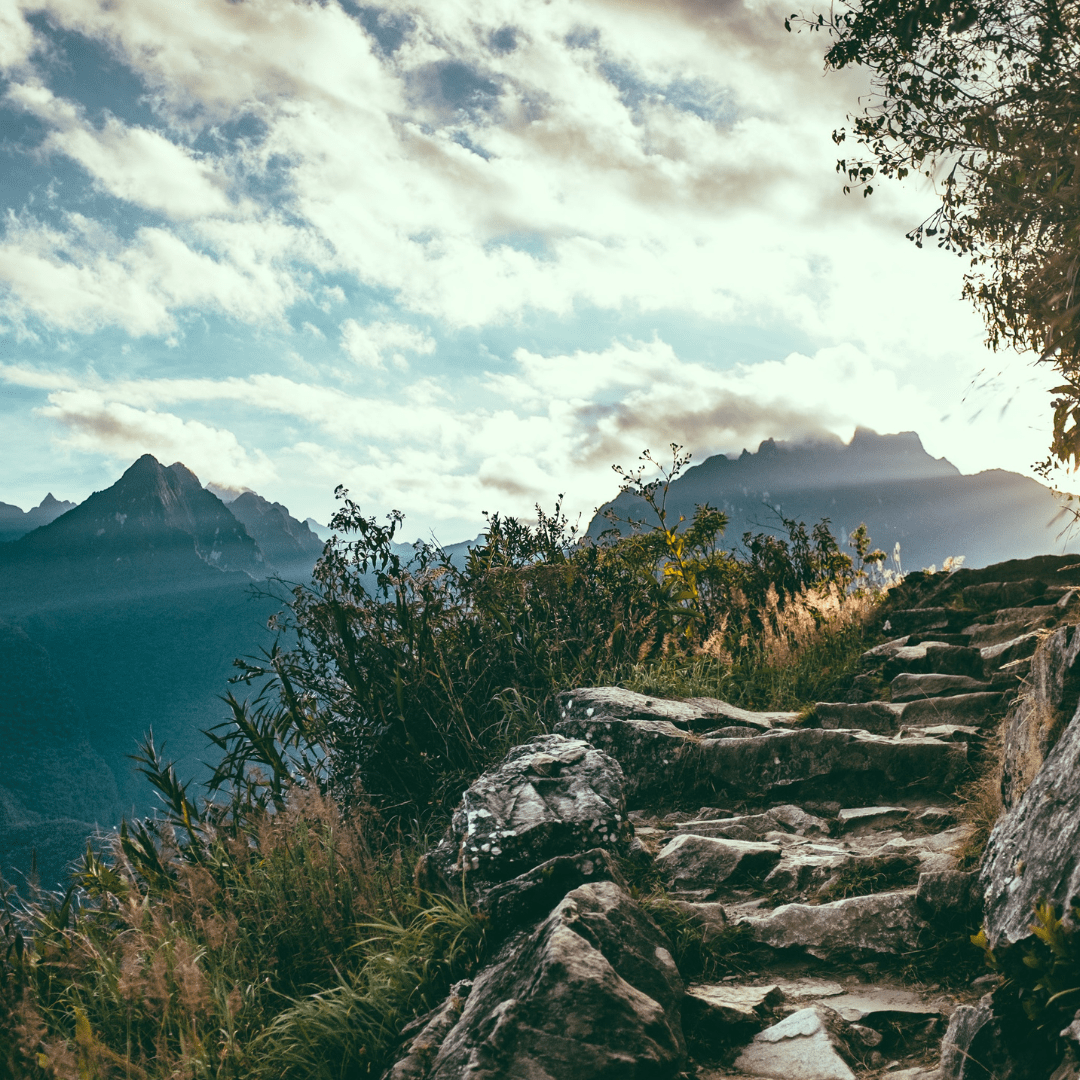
(369, 345)
(17, 38)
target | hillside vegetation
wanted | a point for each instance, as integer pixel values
(270, 926)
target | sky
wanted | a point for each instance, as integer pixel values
(457, 256)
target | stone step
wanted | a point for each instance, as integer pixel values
(910, 620)
(971, 710)
(704, 864)
(693, 714)
(1020, 647)
(880, 717)
(935, 658)
(858, 929)
(910, 687)
(1009, 624)
(665, 765)
(992, 595)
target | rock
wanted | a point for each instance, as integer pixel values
(880, 717)
(432, 1029)
(963, 709)
(1034, 850)
(529, 896)
(931, 656)
(908, 687)
(755, 826)
(1000, 594)
(622, 704)
(944, 732)
(882, 1005)
(1037, 716)
(963, 1050)
(721, 1014)
(875, 817)
(551, 796)
(1008, 652)
(949, 896)
(705, 862)
(917, 619)
(590, 992)
(1009, 624)
(662, 763)
(935, 817)
(803, 1046)
(708, 917)
(873, 657)
(859, 928)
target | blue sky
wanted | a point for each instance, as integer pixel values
(457, 256)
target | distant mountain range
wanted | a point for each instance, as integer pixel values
(124, 613)
(888, 482)
(15, 523)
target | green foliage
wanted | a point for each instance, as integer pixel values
(983, 99)
(410, 675)
(1042, 976)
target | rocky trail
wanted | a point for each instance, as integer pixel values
(824, 861)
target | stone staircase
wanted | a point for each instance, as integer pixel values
(825, 849)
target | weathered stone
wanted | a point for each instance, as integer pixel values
(1009, 624)
(935, 817)
(801, 763)
(720, 1014)
(999, 594)
(1008, 652)
(880, 717)
(705, 862)
(803, 1046)
(963, 709)
(622, 704)
(917, 619)
(1038, 714)
(951, 896)
(881, 1005)
(858, 928)
(944, 732)
(424, 1038)
(876, 817)
(755, 826)
(551, 796)
(962, 1051)
(908, 687)
(529, 896)
(591, 992)
(1034, 850)
(708, 917)
(879, 653)
(930, 657)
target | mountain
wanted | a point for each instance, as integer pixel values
(902, 493)
(141, 597)
(289, 546)
(155, 526)
(15, 523)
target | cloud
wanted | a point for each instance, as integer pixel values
(93, 424)
(17, 38)
(369, 345)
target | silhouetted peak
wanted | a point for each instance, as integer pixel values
(49, 502)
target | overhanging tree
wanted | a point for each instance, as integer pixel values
(984, 98)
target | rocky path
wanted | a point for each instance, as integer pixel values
(821, 855)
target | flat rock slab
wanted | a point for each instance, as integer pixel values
(705, 862)
(875, 817)
(550, 796)
(1011, 650)
(800, 1047)
(909, 687)
(622, 704)
(730, 1003)
(879, 717)
(873, 657)
(788, 819)
(962, 709)
(873, 1005)
(860, 927)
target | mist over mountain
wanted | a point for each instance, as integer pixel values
(14, 522)
(889, 482)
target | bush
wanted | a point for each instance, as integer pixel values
(411, 675)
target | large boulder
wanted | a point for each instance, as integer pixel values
(550, 796)
(1034, 850)
(1038, 715)
(590, 992)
